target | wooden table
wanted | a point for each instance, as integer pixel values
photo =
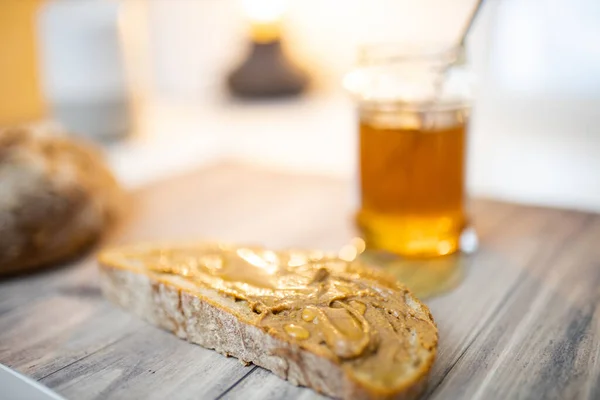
(525, 322)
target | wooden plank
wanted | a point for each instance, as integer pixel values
(150, 364)
(543, 342)
(493, 274)
(236, 204)
(532, 281)
(50, 332)
(19, 290)
(263, 385)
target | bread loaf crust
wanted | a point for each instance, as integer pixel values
(208, 323)
(57, 198)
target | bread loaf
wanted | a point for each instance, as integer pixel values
(56, 198)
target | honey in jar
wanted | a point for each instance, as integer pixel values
(412, 182)
(412, 147)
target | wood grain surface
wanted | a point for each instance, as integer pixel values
(524, 323)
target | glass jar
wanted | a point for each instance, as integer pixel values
(413, 107)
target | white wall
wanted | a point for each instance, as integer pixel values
(535, 135)
(194, 41)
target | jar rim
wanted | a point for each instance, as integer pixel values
(402, 74)
(393, 106)
(393, 52)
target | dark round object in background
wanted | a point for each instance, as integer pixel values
(267, 73)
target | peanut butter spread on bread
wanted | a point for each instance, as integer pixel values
(344, 311)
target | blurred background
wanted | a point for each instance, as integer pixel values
(148, 80)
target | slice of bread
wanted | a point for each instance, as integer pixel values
(338, 327)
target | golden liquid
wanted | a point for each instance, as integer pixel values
(412, 182)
